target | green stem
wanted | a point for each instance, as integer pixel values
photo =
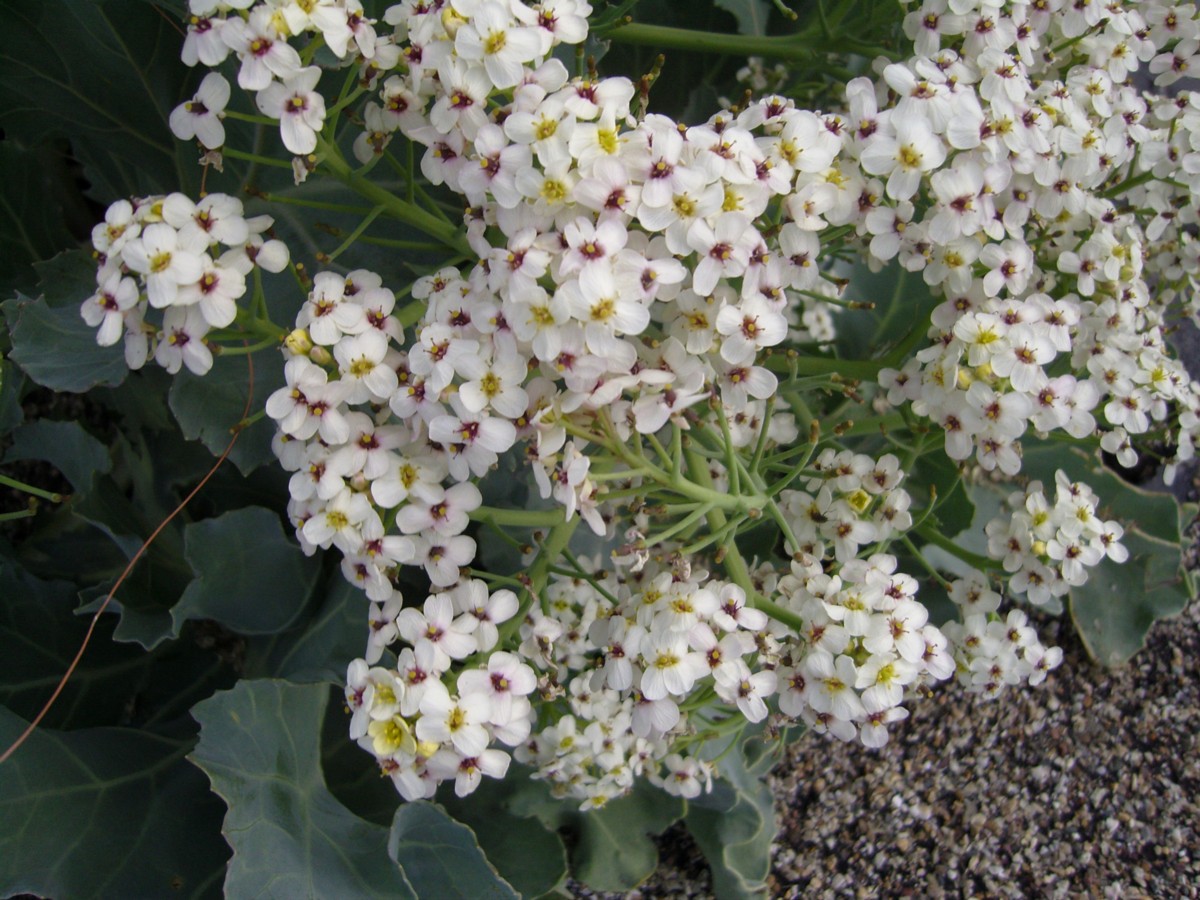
(397, 208)
(249, 117)
(519, 518)
(246, 350)
(795, 47)
(30, 489)
(735, 565)
(356, 233)
(865, 369)
(234, 153)
(935, 537)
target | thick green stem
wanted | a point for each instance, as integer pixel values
(30, 489)
(795, 47)
(519, 518)
(448, 234)
(866, 369)
(735, 565)
(935, 537)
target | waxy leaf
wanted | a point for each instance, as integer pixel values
(441, 857)
(210, 407)
(527, 854)
(615, 852)
(1115, 608)
(105, 74)
(105, 812)
(32, 224)
(65, 445)
(260, 747)
(57, 349)
(249, 576)
(321, 646)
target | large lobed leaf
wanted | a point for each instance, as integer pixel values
(209, 407)
(249, 576)
(104, 73)
(105, 812)
(291, 837)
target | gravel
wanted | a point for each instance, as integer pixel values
(1088, 785)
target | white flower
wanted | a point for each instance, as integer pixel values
(264, 53)
(182, 341)
(107, 307)
(163, 263)
(905, 156)
(457, 721)
(491, 35)
(298, 106)
(200, 117)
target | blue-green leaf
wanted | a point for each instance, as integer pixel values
(11, 414)
(208, 407)
(105, 812)
(249, 576)
(318, 648)
(527, 854)
(1115, 608)
(260, 747)
(735, 824)
(441, 857)
(65, 445)
(57, 349)
(32, 223)
(614, 851)
(105, 74)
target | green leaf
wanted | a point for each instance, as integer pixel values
(57, 349)
(105, 74)
(249, 576)
(66, 280)
(105, 812)
(751, 15)
(737, 842)
(614, 851)
(527, 854)
(954, 510)
(260, 747)
(209, 407)
(32, 224)
(11, 414)
(41, 636)
(1154, 512)
(440, 857)
(65, 445)
(735, 824)
(321, 646)
(1115, 608)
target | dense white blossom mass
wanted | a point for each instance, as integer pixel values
(633, 274)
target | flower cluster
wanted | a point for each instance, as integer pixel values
(991, 654)
(867, 641)
(1048, 549)
(620, 333)
(1059, 225)
(187, 260)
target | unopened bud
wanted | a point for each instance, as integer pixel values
(298, 342)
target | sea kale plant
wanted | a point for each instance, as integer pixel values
(650, 437)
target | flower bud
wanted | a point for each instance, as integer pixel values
(298, 342)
